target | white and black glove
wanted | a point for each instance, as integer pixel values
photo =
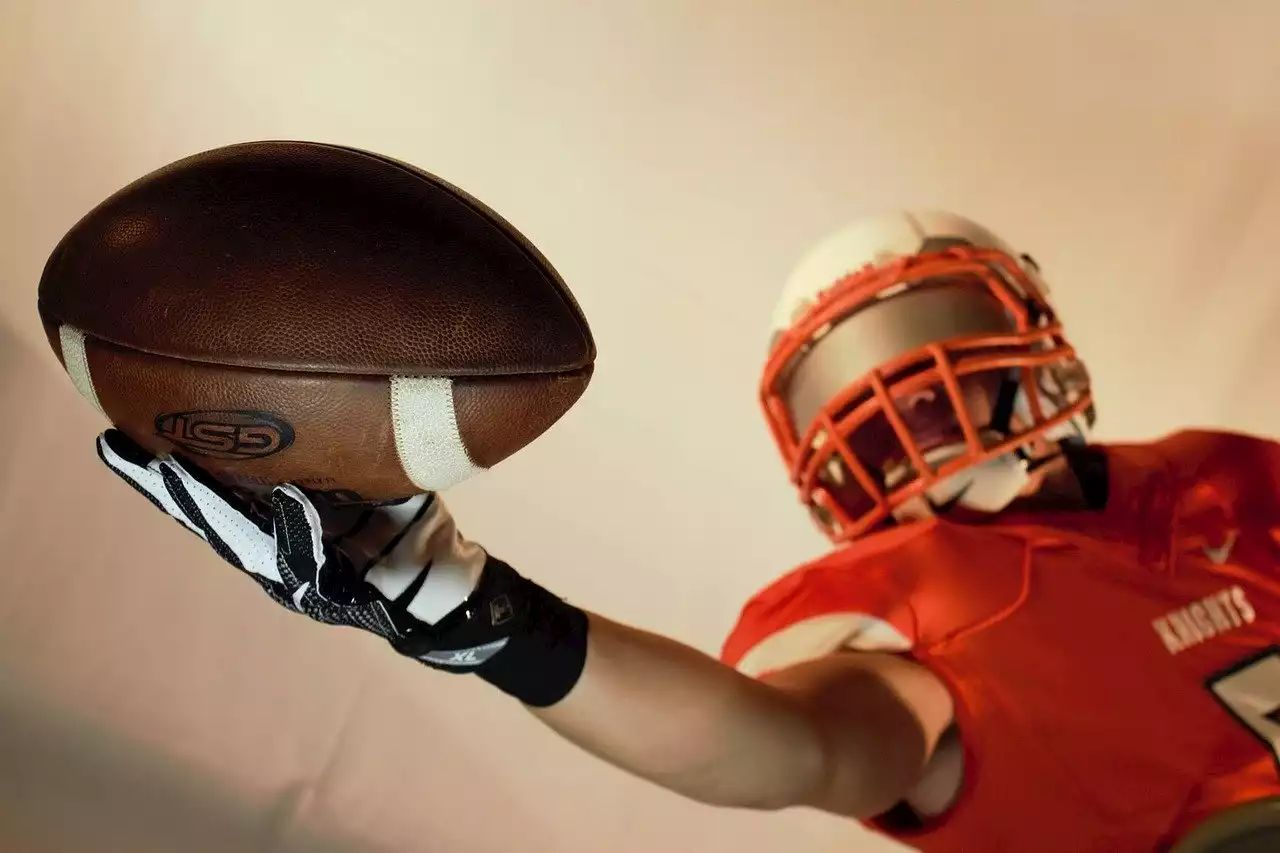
(401, 571)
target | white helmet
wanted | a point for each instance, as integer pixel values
(916, 358)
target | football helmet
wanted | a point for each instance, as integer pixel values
(916, 361)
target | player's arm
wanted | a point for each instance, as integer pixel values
(848, 733)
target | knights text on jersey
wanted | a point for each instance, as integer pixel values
(1116, 673)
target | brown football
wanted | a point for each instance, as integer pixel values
(309, 313)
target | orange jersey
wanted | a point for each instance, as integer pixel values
(1116, 672)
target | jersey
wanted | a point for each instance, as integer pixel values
(1116, 672)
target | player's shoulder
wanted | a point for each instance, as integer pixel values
(1195, 450)
(861, 597)
(1243, 466)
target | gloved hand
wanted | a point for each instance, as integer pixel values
(401, 571)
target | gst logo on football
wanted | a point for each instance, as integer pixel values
(226, 434)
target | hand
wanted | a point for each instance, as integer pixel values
(401, 571)
(388, 570)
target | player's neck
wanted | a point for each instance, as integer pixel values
(1073, 482)
(1063, 485)
(1067, 484)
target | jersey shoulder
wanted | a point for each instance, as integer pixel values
(1238, 469)
(1204, 453)
(863, 596)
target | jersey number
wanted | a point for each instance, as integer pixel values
(1250, 690)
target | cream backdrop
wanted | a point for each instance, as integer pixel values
(673, 158)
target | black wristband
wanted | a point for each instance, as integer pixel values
(512, 633)
(546, 653)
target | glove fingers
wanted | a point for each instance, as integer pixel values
(223, 521)
(131, 463)
(300, 542)
(126, 448)
(298, 531)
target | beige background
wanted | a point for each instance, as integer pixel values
(673, 158)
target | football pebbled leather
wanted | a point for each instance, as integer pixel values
(294, 311)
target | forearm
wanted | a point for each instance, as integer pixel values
(674, 716)
(818, 734)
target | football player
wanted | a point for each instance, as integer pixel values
(1022, 641)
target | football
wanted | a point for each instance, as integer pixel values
(315, 314)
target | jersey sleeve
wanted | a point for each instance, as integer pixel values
(1229, 481)
(846, 601)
